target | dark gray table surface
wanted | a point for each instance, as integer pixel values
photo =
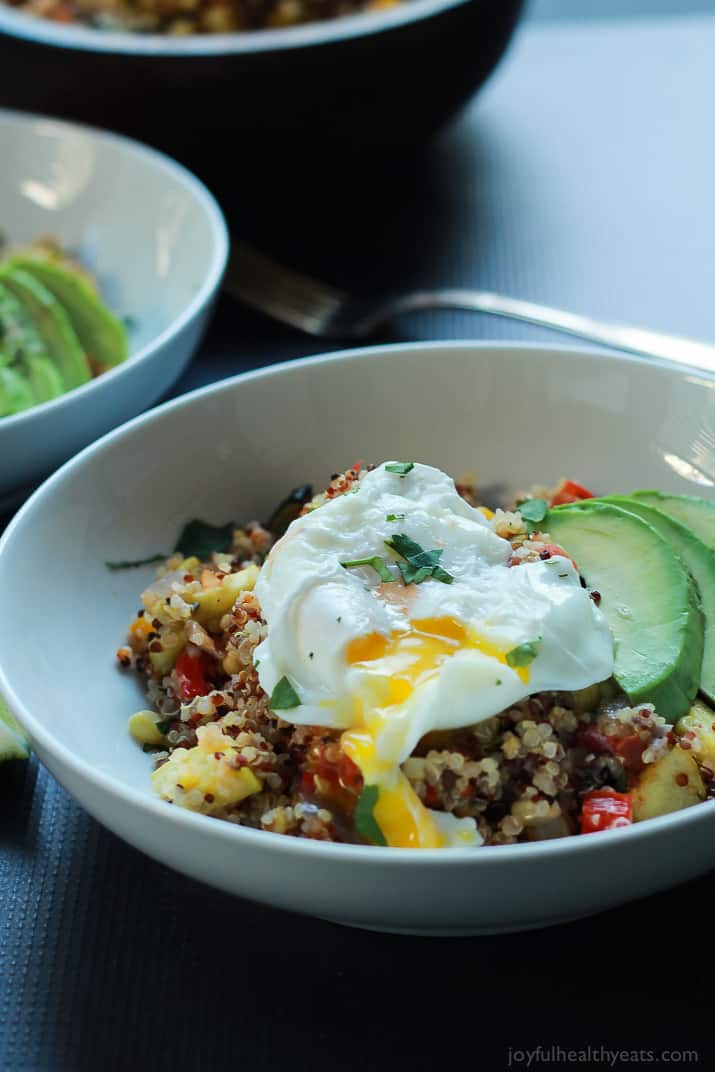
(583, 176)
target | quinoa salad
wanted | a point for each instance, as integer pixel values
(393, 662)
(179, 18)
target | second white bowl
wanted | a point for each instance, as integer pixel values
(155, 239)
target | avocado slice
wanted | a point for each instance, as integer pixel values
(648, 597)
(19, 336)
(45, 380)
(15, 392)
(12, 740)
(53, 325)
(101, 334)
(696, 514)
(698, 559)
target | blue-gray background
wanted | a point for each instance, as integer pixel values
(600, 9)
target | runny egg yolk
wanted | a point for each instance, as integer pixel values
(395, 666)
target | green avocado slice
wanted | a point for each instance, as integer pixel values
(647, 596)
(696, 514)
(53, 325)
(19, 336)
(45, 380)
(102, 336)
(12, 740)
(15, 392)
(698, 559)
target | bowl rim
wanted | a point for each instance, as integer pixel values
(216, 225)
(303, 848)
(43, 31)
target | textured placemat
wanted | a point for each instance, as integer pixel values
(582, 177)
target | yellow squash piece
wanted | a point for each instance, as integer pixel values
(214, 602)
(670, 784)
(173, 642)
(144, 729)
(700, 721)
(205, 778)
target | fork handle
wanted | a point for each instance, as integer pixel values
(619, 336)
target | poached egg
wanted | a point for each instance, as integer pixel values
(392, 611)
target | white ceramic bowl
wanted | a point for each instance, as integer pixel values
(513, 415)
(157, 242)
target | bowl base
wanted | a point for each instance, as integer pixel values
(458, 932)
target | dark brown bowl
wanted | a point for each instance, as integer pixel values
(368, 83)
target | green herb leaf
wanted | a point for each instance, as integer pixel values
(523, 654)
(135, 563)
(201, 539)
(377, 563)
(365, 821)
(163, 726)
(395, 517)
(422, 564)
(533, 511)
(413, 574)
(283, 696)
(401, 468)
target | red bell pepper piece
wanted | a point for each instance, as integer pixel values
(630, 749)
(191, 675)
(568, 491)
(604, 809)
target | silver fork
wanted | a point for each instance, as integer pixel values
(320, 309)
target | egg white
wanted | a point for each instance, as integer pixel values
(318, 612)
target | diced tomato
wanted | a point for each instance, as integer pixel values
(604, 809)
(191, 674)
(594, 741)
(568, 491)
(307, 783)
(630, 749)
(350, 773)
(431, 797)
(556, 551)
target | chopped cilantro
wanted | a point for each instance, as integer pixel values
(533, 511)
(163, 726)
(401, 468)
(498, 681)
(377, 563)
(419, 564)
(365, 822)
(523, 654)
(413, 574)
(201, 539)
(283, 696)
(395, 517)
(135, 563)
(339, 620)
